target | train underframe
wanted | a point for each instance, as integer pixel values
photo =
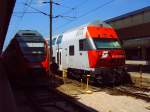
(103, 76)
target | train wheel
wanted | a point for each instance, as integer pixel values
(99, 79)
(69, 74)
(118, 79)
(124, 77)
(127, 78)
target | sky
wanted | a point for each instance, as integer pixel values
(67, 14)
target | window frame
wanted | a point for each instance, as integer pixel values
(59, 39)
(71, 50)
(86, 45)
(53, 41)
(81, 45)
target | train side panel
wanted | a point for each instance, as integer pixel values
(12, 59)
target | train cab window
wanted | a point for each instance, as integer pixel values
(32, 47)
(85, 44)
(107, 44)
(59, 40)
(71, 50)
(53, 41)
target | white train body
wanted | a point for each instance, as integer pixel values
(91, 48)
(69, 54)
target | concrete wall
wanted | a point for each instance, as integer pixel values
(131, 21)
(136, 31)
(132, 26)
(6, 8)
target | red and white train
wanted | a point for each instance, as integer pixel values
(91, 49)
(26, 54)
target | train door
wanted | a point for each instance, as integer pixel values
(71, 56)
(64, 57)
(59, 58)
(59, 51)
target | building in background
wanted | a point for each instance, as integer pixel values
(134, 31)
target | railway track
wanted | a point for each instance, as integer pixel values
(48, 100)
(138, 92)
(129, 90)
(40, 97)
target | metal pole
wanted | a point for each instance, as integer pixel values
(81, 83)
(51, 7)
(87, 85)
(140, 76)
(50, 49)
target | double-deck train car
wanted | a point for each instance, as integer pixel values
(92, 49)
(26, 54)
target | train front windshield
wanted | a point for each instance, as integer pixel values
(107, 44)
(33, 51)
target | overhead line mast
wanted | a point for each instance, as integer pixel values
(51, 17)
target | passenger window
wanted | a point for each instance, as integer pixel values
(59, 40)
(71, 50)
(81, 45)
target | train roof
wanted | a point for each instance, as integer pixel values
(99, 23)
(95, 23)
(29, 35)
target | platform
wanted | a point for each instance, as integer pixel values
(103, 100)
(7, 102)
